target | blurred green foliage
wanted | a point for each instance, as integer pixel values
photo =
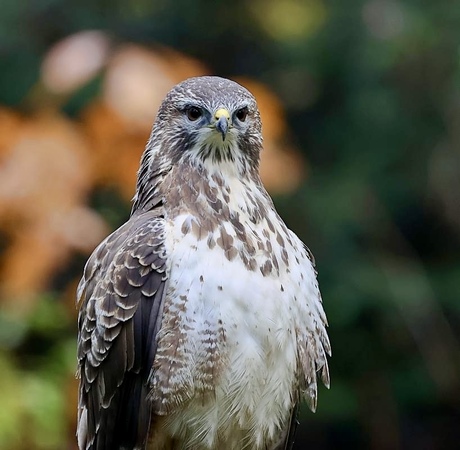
(371, 91)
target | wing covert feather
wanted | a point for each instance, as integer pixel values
(120, 302)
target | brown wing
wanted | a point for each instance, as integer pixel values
(120, 299)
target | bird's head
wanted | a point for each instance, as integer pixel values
(210, 121)
(204, 125)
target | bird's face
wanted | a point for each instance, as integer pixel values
(211, 120)
(211, 125)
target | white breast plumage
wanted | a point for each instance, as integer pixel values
(231, 326)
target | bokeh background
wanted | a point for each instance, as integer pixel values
(361, 107)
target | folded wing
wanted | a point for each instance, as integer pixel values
(120, 301)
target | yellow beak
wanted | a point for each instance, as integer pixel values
(222, 117)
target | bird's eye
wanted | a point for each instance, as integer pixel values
(193, 113)
(241, 114)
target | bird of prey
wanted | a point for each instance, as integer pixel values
(201, 324)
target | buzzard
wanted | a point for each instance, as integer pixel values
(201, 324)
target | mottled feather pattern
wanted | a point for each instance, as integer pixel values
(201, 321)
(120, 296)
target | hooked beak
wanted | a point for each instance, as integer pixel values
(222, 117)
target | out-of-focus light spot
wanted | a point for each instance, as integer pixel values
(135, 84)
(289, 19)
(384, 19)
(44, 181)
(73, 61)
(137, 80)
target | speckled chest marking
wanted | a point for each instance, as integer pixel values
(236, 216)
(231, 319)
